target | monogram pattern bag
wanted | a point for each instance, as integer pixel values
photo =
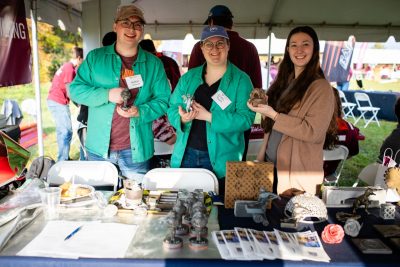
(244, 180)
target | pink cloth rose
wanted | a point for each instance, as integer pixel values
(332, 234)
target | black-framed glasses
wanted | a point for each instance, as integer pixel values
(127, 24)
(218, 45)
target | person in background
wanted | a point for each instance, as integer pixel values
(58, 102)
(162, 129)
(242, 53)
(210, 130)
(344, 85)
(266, 77)
(393, 140)
(109, 38)
(296, 118)
(273, 68)
(118, 134)
(170, 65)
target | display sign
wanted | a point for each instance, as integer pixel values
(15, 49)
(336, 60)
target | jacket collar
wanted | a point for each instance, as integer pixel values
(110, 49)
(226, 78)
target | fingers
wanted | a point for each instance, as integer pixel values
(114, 95)
(131, 112)
(187, 116)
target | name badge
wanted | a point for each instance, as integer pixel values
(134, 81)
(221, 99)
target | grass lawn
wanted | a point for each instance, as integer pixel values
(369, 148)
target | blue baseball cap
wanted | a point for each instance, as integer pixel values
(212, 31)
(219, 11)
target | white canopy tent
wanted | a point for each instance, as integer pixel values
(367, 20)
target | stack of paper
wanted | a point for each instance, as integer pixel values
(249, 244)
(94, 240)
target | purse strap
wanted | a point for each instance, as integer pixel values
(395, 156)
(384, 161)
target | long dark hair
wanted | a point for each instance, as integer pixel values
(311, 72)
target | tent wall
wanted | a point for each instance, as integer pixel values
(368, 20)
(97, 20)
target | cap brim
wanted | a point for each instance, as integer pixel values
(206, 22)
(217, 35)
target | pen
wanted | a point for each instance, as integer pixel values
(73, 233)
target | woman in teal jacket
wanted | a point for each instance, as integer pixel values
(210, 131)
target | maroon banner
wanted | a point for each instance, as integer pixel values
(336, 60)
(15, 48)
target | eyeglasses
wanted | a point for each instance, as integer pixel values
(218, 45)
(127, 24)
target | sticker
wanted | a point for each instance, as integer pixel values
(135, 81)
(221, 99)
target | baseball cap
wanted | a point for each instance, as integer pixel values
(127, 11)
(212, 31)
(219, 11)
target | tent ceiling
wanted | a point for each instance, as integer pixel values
(368, 20)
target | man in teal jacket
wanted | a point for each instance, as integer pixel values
(210, 132)
(122, 136)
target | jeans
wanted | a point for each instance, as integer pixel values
(123, 160)
(344, 86)
(194, 158)
(62, 117)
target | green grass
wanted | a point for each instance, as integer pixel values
(393, 86)
(369, 148)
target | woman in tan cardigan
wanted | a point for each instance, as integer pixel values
(298, 114)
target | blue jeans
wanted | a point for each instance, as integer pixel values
(344, 86)
(123, 159)
(194, 158)
(62, 117)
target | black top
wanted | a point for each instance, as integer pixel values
(198, 134)
(83, 114)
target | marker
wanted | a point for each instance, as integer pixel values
(73, 233)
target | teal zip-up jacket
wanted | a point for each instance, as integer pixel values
(100, 72)
(225, 140)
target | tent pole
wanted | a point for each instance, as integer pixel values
(36, 78)
(269, 57)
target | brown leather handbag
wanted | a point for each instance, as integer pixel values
(245, 178)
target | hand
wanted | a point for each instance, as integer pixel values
(171, 140)
(114, 95)
(187, 116)
(131, 112)
(264, 110)
(203, 114)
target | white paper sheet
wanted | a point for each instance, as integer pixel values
(94, 240)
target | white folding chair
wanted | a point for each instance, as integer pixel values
(364, 106)
(162, 148)
(254, 146)
(367, 174)
(347, 107)
(99, 174)
(180, 178)
(338, 153)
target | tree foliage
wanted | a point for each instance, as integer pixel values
(55, 46)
